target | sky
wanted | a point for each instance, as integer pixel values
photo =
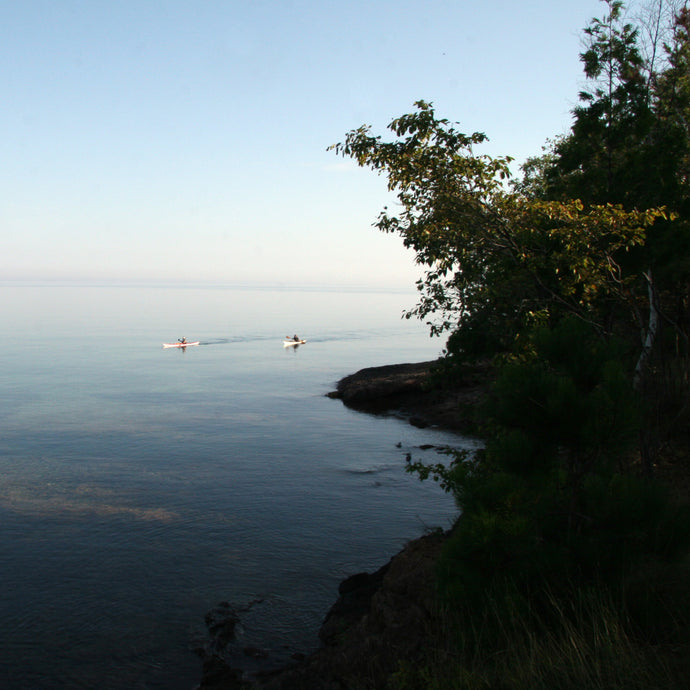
(178, 141)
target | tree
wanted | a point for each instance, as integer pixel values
(496, 261)
(672, 110)
(555, 274)
(600, 162)
(630, 144)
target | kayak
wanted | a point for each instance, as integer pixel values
(196, 342)
(292, 343)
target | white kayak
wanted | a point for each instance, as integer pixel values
(292, 343)
(196, 342)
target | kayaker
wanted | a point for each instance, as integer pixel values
(182, 340)
(296, 338)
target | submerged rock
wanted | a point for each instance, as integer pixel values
(221, 622)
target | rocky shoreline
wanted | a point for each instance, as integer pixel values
(378, 618)
(408, 391)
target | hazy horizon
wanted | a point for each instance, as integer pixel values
(148, 141)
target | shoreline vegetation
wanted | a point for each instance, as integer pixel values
(388, 629)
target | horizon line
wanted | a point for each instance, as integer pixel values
(206, 284)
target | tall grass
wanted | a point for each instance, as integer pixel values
(583, 642)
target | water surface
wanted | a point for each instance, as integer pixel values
(140, 486)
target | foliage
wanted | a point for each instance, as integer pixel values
(630, 145)
(599, 160)
(552, 499)
(495, 260)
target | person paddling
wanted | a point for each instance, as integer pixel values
(182, 340)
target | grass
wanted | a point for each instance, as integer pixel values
(587, 641)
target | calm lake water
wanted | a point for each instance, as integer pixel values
(141, 486)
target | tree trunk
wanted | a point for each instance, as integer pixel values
(650, 337)
(647, 431)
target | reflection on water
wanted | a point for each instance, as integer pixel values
(83, 500)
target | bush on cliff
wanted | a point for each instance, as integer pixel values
(552, 508)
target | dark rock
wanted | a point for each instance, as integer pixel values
(221, 622)
(372, 385)
(379, 619)
(217, 672)
(410, 391)
(353, 602)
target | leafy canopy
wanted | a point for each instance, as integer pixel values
(495, 259)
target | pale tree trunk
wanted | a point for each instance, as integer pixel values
(650, 336)
(647, 444)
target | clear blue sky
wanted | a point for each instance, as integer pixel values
(186, 140)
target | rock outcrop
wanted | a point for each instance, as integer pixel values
(383, 387)
(414, 391)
